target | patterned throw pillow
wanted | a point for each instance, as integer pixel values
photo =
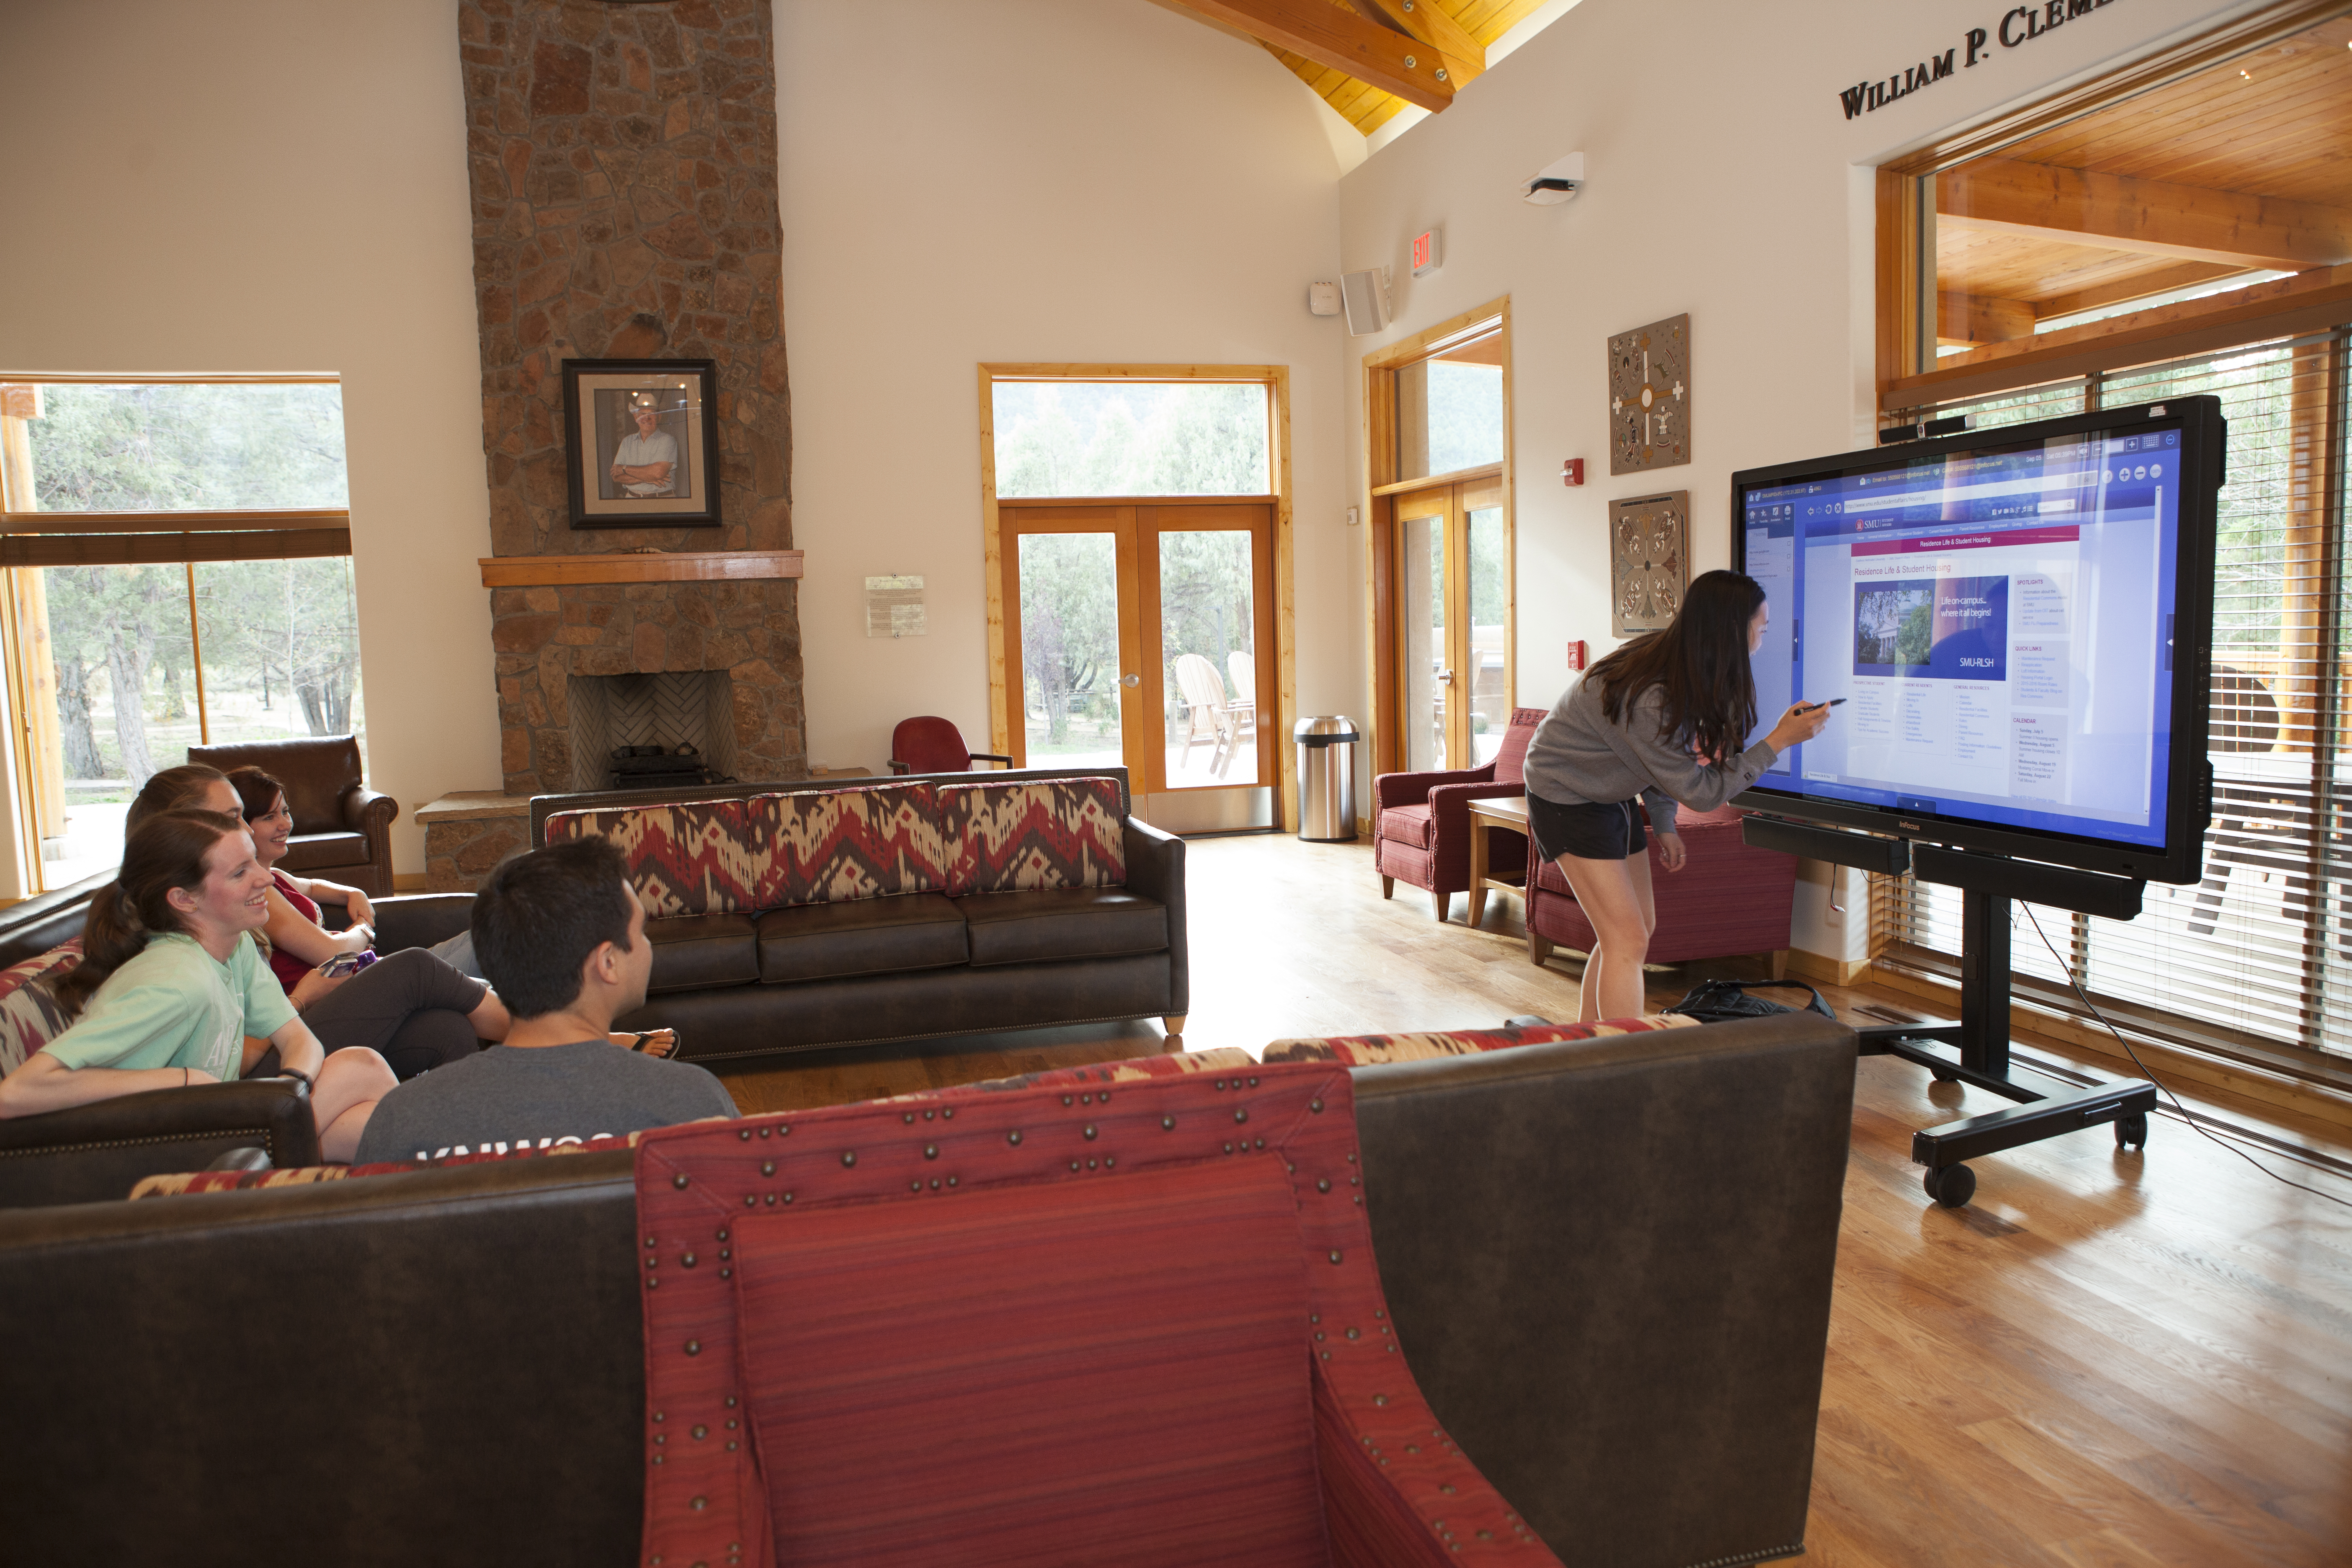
(1363, 1050)
(1043, 833)
(693, 858)
(30, 1013)
(830, 845)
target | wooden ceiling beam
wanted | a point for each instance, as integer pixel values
(1344, 41)
(1427, 21)
(1981, 319)
(2151, 217)
(2139, 286)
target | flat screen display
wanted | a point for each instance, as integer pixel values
(2012, 619)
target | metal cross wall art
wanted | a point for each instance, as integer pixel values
(1650, 397)
(1649, 556)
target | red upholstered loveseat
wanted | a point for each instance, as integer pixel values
(1728, 899)
(1420, 826)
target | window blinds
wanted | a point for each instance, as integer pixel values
(2254, 962)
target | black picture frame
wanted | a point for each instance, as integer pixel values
(601, 398)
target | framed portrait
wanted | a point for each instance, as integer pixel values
(642, 438)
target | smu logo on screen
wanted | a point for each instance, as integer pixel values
(1933, 628)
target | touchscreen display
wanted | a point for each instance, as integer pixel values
(1998, 622)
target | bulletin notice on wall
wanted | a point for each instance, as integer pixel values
(894, 607)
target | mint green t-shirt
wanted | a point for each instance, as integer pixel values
(176, 1005)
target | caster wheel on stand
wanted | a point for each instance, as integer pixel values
(1942, 1076)
(2131, 1132)
(1952, 1186)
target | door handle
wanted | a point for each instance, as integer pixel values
(1130, 680)
(1446, 676)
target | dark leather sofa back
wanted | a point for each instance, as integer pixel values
(1609, 1262)
(95, 1152)
(30, 929)
(441, 1368)
(1643, 1227)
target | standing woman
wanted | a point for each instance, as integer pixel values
(174, 986)
(1663, 718)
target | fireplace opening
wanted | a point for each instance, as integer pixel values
(651, 731)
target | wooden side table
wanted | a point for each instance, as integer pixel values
(1485, 815)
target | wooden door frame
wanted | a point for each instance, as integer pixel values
(1275, 379)
(1382, 484)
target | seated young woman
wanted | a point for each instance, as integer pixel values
(410, 1006)
(174, 985)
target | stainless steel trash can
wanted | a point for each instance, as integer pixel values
(1327, 778)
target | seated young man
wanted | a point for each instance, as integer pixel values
(562, 938)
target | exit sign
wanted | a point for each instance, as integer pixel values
(1428, 251)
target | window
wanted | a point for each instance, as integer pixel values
(1070, 437)
(177, 556)
(2205, 280)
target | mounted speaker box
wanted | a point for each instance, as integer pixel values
(1366, 296)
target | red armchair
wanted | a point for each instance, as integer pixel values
(1729, 898)
(1420, 827)
(933, 745)
(1051, 1321)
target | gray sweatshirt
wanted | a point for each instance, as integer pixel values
(1578, 755)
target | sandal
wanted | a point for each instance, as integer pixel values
(677, 1041)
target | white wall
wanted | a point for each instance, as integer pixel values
(1099, 181)
(1725, 181)
(280, 185)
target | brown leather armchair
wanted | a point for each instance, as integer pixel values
(343, 830)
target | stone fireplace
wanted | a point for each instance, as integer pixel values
(623, 168)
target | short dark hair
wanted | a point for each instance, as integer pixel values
(257, 792)
(541, 914)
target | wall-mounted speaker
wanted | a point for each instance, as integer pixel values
(1366, 296)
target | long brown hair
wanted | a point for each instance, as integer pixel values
(1701, 662)
(173, 789)
(165, 851)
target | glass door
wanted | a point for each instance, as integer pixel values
(1427, 671)
(1452, 576)
(1134, 635)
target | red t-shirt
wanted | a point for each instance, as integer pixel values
(290, 969)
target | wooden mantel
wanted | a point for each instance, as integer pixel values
(680, 566)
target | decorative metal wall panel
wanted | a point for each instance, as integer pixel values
(1649, 561)
(1650, 397)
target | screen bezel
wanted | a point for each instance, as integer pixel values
(2189, 778)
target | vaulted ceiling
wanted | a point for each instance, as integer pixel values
(1369, 59)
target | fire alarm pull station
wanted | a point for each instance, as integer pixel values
(1576, 654)
(1572, 473)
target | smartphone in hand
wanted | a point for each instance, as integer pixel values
(344, 965)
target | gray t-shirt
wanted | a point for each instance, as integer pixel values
(536, 1096)
(1578, 755)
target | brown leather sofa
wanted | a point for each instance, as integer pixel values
(343, 830)
(1609, 1262)
(916, 967)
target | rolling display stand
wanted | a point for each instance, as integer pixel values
(1987, 884)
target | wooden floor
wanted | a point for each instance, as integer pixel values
(2109, 1358)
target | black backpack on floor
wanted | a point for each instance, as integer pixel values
(1719, 1001)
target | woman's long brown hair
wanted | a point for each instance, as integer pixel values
(1700, 661)
(165, 851)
